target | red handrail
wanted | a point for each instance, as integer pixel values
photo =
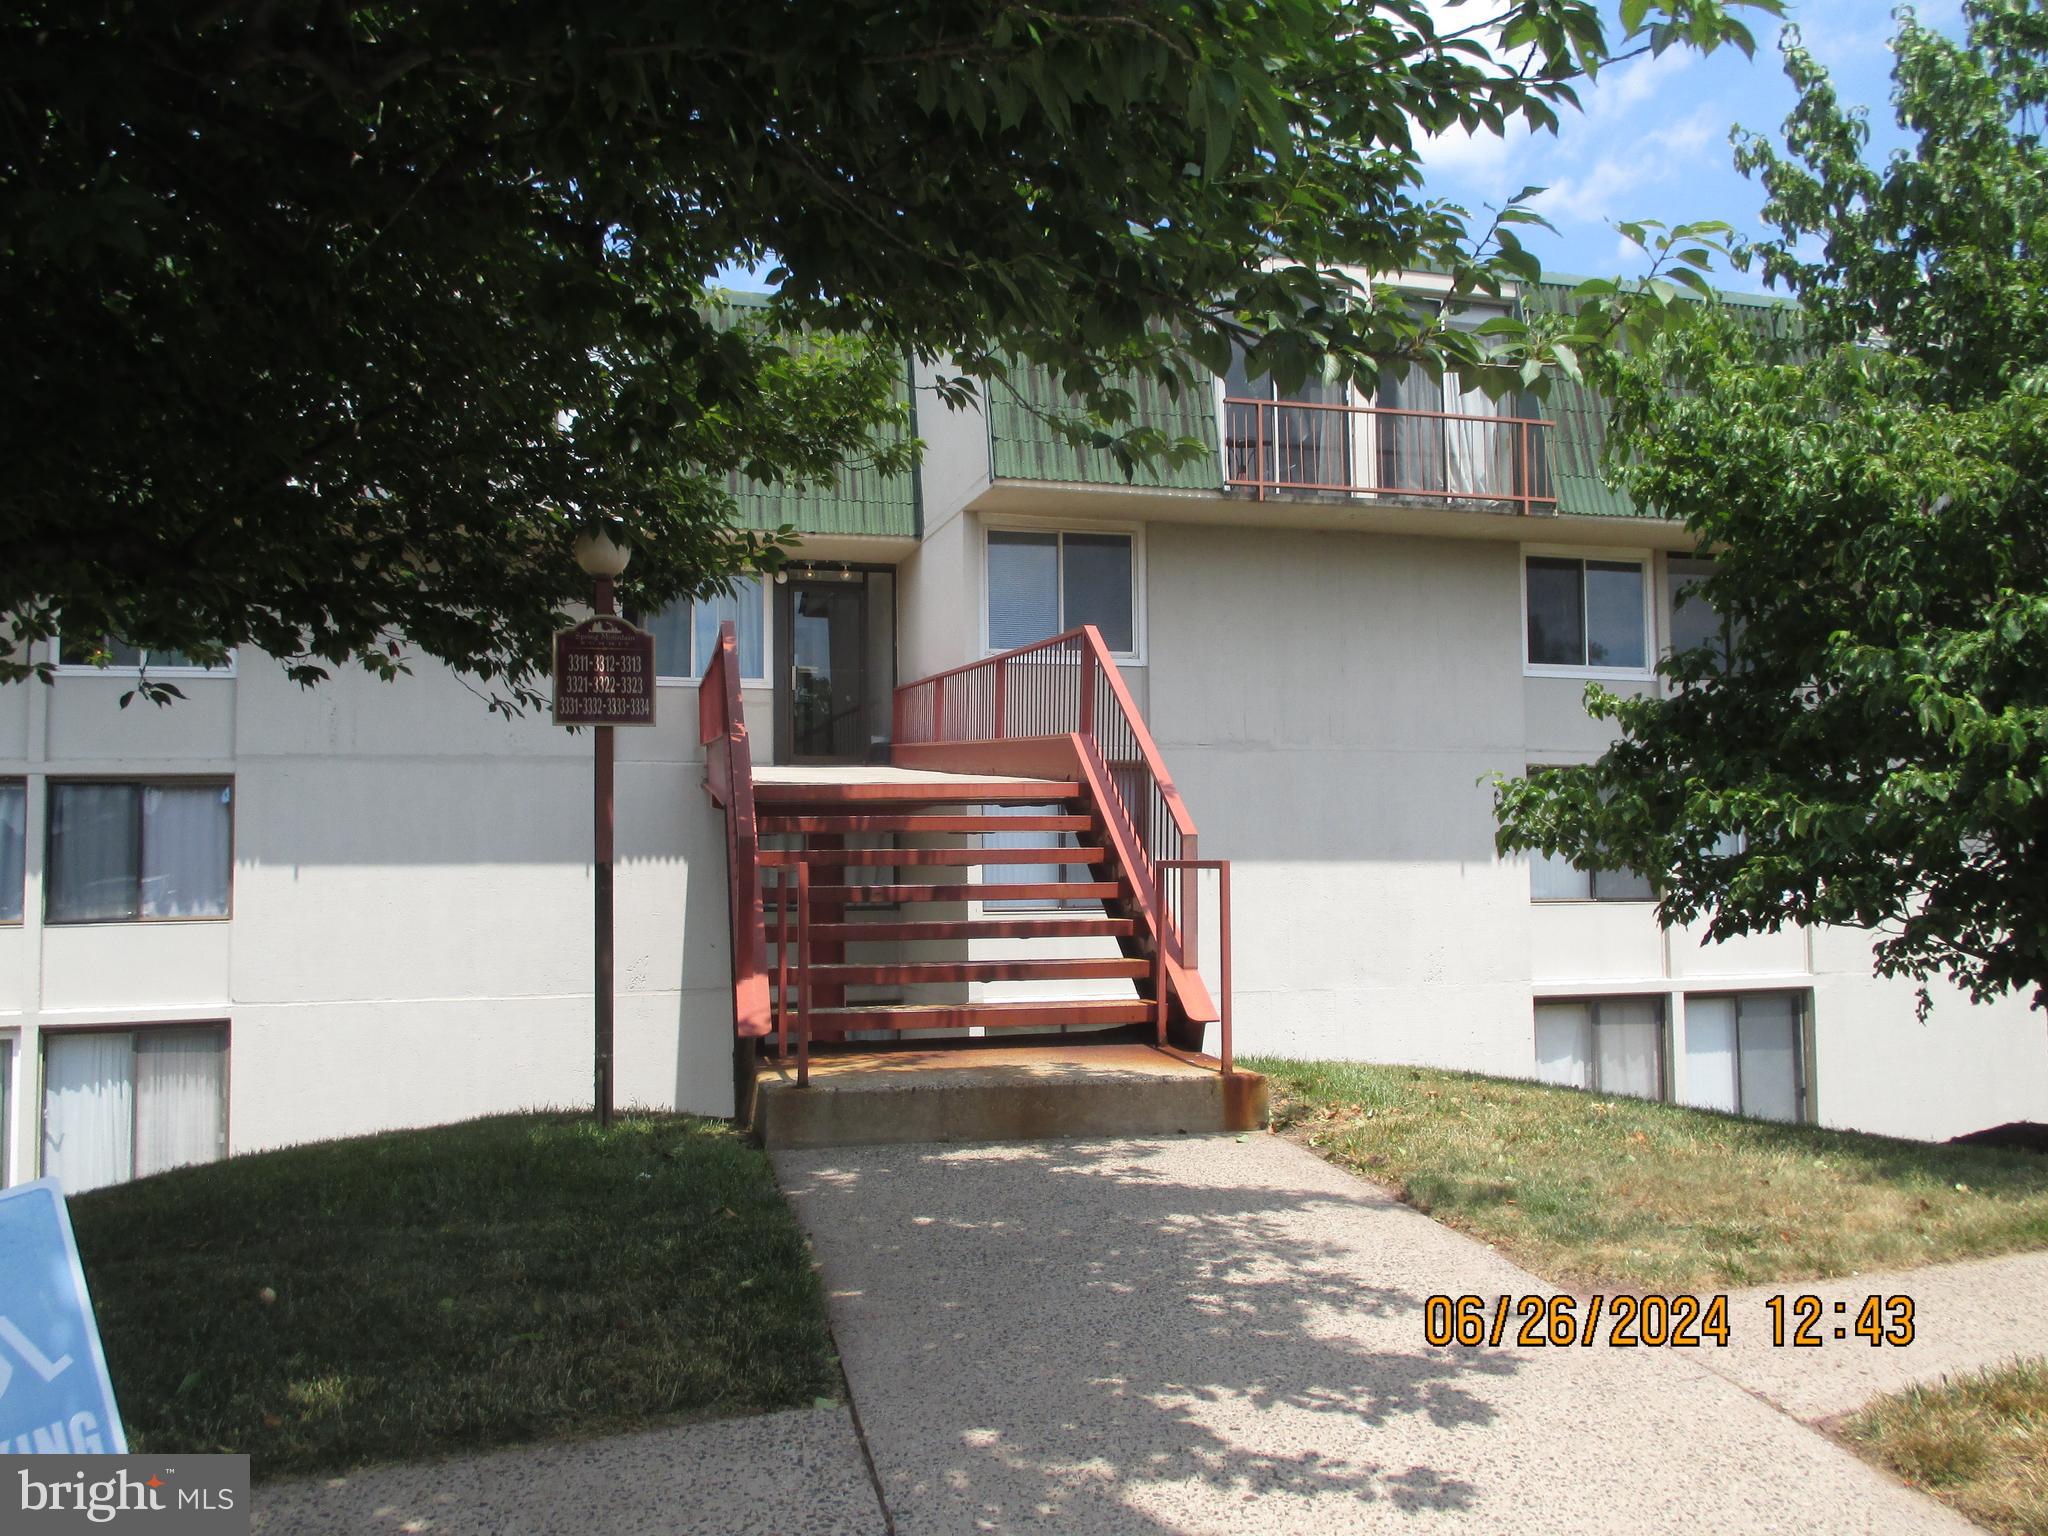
(1499, 463)
(729, 779)
(1069, 685)
(1222, 868)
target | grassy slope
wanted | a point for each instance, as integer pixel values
(498, 1280)
(1615, 1192)
(1979, 1442)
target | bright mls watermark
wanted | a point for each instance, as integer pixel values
(162, 1495)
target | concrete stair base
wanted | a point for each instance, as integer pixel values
(1006, 1092)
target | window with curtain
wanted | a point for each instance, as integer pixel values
(1043, 584)
(120, 656)
(1694, 621)
(123, 1104)
(1585, 613)
(1742, 1054)
(128, 852)
(1607, 1045)
(1030, 874)
(13, 847)
(1289, 441)
(686, 632)
(1555, 878)
(6, 1107)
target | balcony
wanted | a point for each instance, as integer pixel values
(1484, 462)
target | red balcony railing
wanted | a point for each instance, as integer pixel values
(1457, 458)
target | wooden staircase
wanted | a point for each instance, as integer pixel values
(864, 914)
(927, 834)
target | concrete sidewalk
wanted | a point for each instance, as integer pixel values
(1213, 1335)
(1965, 1317)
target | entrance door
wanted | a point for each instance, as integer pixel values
(826, 686)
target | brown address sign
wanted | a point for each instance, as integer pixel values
(604, 674)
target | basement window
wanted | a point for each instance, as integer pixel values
(1743, 1054)
(123, 1104)
(1607, 1045)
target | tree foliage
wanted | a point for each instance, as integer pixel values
(1870, 482)
(331, 322)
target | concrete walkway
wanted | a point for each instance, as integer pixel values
(1965, 1317)
(1219, 1335)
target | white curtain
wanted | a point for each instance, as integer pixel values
(1770, 1054)
(1710, 1053)
(180, 1103)
(1023, 588)
(1480, 455)
(95, 851)
(6, 1106)
(13, 843)
(671, 630)
(744, 608)
(88, 1109)
(1562, 1055)
(1626, 1035)
(1553, 878)
(185, 850)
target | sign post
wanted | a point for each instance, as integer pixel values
(604, 677)
(55, 1395)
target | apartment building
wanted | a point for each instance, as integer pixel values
(265, 915)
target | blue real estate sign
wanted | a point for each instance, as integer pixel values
(55, 1396)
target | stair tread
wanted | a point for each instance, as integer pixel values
(1051, 890)
(922, 792)
(912, 972)
(889, 931)
(773, 824)
(963, 1015)
(929, 858)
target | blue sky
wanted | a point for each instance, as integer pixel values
(1652, 140)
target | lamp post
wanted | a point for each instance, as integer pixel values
(602, 558)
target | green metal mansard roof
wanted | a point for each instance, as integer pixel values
(1023, 446)
(863, 502)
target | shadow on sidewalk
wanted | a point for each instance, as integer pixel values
(1066, 1335)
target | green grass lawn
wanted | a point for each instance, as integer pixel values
(1978, 1442)
(1609, 1192)
(427, 1291)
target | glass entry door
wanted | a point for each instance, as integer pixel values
(826, 686)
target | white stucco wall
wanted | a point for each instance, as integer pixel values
(1333, 706)
(410, 940)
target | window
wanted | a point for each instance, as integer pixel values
(13, 847)
(120, 656)
(1693, 620)
(129, 852)
(1291, 443)
(123, 1104)
(1742, 1054)
(1554, 878)
(1031, 874)
(686, 632)
(1608, 1045)
(6, 1105)
(1586, 614)
(1043, 584)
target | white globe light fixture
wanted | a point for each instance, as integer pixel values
(599, 554)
